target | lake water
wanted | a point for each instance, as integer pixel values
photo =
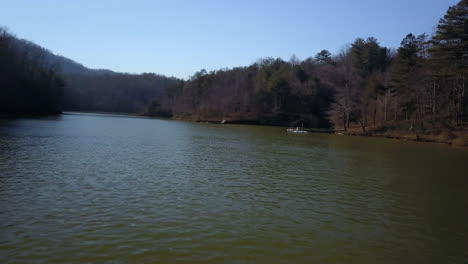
(92, 188)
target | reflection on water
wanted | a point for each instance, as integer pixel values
(98, 188)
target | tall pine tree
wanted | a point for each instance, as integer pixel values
(449, 55)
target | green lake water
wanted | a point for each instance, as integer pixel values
(93, 188)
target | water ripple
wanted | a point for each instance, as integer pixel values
(97, 189)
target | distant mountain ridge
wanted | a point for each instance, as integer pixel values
(65, 65)
(69, 66)
(89, 89)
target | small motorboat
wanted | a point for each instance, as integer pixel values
(297, 130)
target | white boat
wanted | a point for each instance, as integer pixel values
(297, 130)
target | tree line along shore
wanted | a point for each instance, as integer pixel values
(416, 92)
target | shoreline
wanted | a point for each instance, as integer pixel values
(458, 138)
(30, 115)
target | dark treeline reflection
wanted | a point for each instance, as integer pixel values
(366, 87)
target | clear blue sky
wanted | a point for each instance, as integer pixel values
(178, 38)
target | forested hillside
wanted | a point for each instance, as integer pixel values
(29, 84)
(36, 81)
(418, 89)
(113, 92)
(270, 91)
(108, 91)
(366, 88)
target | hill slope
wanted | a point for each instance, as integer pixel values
(97, 89)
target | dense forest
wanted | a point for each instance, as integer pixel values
(418, 89)
(113, 92)
(105, 90)
(36, 81)
(29, 84)
(366, 88)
